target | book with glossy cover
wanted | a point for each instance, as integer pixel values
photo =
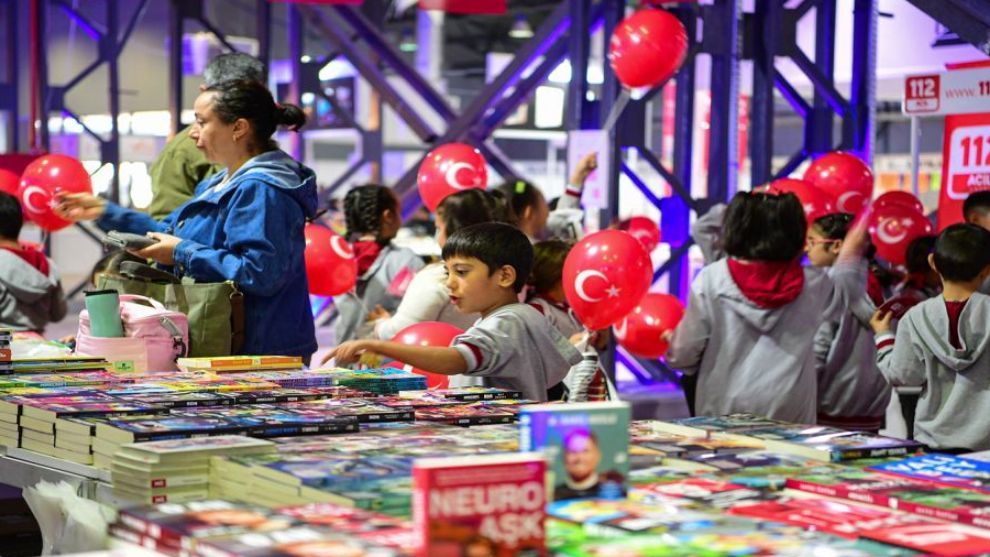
(299, 541)
(935, 538)
(709, 493)
(944, 469)
(587, 446)
(494, 504)
(701, 426)
(193, 448)
(918, 497)
(184, 524)
(830, 444)
(847, 519)
(222, 364)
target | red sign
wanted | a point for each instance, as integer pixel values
(921, 94)
(965, 163)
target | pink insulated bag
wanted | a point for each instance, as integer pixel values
(154, 337)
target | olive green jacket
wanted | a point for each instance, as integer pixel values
(174, 176)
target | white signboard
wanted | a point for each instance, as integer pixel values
(952, 92)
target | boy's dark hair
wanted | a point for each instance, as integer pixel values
(11, 217)
(764, 227)
(548, 264)
(363, 208)
(833, 226)
(495, 244)
(977, 204)
(916, 256)
(464, 208)
(962, 252)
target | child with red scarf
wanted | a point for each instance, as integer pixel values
(372, 216)
(751, 319)
(31, 294)
(852, 394)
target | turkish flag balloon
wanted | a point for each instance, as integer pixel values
(815, 201)
(647, 48)
(605, 275)
(642, 330)
(846, 177)
(330, 263)
(893, 227)
(901, 198)
(644, 230)
(429, 333)
(9, 182)
(43, 180)
(449, 169)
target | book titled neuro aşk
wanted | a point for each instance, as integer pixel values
(586, 444)
(489, 505)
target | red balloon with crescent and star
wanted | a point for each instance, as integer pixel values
(331, 266)
(605, 275)
(449, 169)
(893, 227)
(43, 181)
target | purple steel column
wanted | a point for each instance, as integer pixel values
(9, 88)
(767, 20)
(859, 122)
(176, 20)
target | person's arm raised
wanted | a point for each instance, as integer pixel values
(442, 360)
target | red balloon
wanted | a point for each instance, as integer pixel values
(816, 202)
(605, 275)
(893, 227)
(429, 333)
(644, 230)
(9, 182)
(901, 198)
(330, 263)
(43, 180)
(641, 332)
(846, 177)
(647, 48)
(449, 169)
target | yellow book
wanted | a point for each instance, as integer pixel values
(223, 364)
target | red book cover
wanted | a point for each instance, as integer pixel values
(182, 524)
(491, 505)
(935, 538)
(918, 497)
(848, 520)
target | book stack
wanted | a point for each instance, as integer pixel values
(367, 525)
(6, 353)
(480, 505)
(42, 417)
(292, 542)
(587, 445)
(231, 364)
(179, 528)
(465, 415)
(466, 394)
(379, 381)
(174, 470)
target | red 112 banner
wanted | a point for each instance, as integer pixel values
(965, 163)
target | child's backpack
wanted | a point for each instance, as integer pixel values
(154, 337)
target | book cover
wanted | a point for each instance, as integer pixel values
(195, 448)
(122, 430)
(190, 399)
(223, 364)
(587, 446)
(934, 538)
(300, 541)
(704, 425)
(484, 505)
(846, 519)
(905, 494)
(830, 444)
(943, 469)
(348, 520)
(464, 415)
(184, 524)
(709, 493)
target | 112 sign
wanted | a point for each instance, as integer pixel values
(969, 161)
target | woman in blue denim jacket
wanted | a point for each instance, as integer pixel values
(244, 224)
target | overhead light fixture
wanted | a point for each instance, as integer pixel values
(521, 29)
(407, 42)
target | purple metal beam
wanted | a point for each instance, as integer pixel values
(791, 164)
(670, 177)
(791, 95)
(82, 21)
(823, 85)
(640, 184)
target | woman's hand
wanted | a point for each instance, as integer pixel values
(162, 251)
(80, 206)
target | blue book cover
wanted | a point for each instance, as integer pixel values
(943, 469)
(587, 446)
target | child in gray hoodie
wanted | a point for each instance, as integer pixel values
(751, 318)
(31, 294)
(942, 344)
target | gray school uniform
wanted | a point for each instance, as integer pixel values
(515, 347)
(849, 383)
(954, 408)
(372, 290)
(753, 359)
(561, 317)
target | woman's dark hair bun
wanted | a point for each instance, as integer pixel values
(290, 115)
